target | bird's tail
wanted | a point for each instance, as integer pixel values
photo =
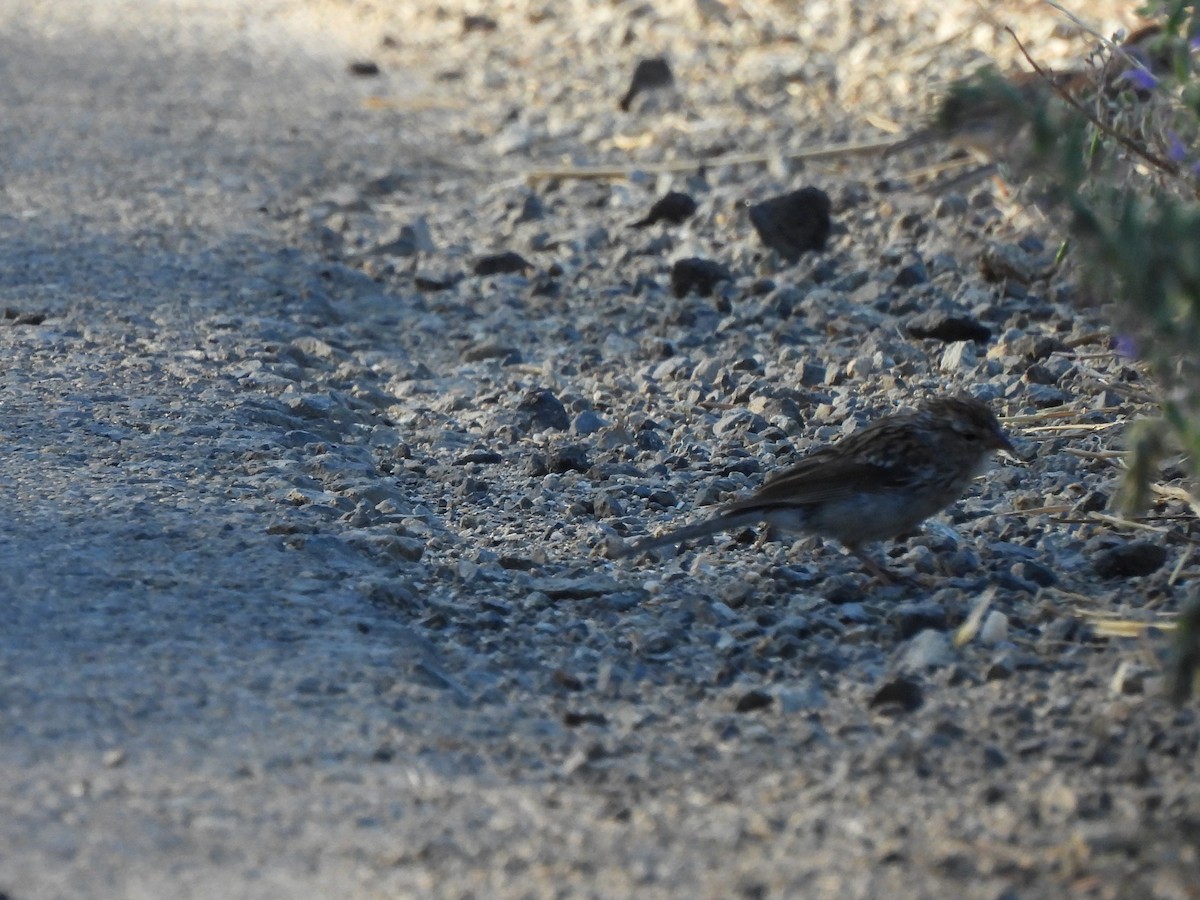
(919, 138)
(703, 528)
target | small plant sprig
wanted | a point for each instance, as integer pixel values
(1123, 160)
(1117, 148)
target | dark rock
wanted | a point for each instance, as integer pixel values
(544, 285)
(1008, 262)
(567, 588)
(910, 224)
(531, 210)
(501, 264)
(911, 273)
(1043, 396)
(782, 301)
(1035, 572)
(794, 223)
(482, 457)
(567, 680)
(649, 439)
(473, 488)
(674, 207)
(1037, 346)
(478, 23)
(949, 327)
(751, 701)
(993, 757)
(1039, 374)
(912, 618)
(541, 409)
(1000, 669)
(812, 374)
(363, 68)
(658, 642)
(572, 457)
(662, 498)
(536, 465)
(516, 563)
(824, 272)
(702, 275)
(607, 506)
(14, 317)
(649, 74)
(510, 356)
(575, 719)
(901, 693)
(430, 283)
(1129, 560)
(387, 183)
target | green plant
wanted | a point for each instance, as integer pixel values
(1116, 148)
(1121, 157)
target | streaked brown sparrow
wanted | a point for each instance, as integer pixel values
(989, 114)
(873, 485)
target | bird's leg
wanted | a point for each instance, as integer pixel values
(875, 568)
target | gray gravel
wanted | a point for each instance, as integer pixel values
(305, 522)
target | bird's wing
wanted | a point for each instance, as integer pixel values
(819, 478)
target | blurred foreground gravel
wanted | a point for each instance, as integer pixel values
(322, 399)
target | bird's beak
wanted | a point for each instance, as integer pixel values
(1004, 445)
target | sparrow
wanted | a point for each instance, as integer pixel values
(989, 114)
(872, 485)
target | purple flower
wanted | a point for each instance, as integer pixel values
(1178, 150)
(1125, 346)
(1139, 79)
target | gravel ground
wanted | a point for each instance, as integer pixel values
(309, 489)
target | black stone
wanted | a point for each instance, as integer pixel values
(510, 356)
(913, 618)
(483, 457)
(701, 275)
(794, 223)
(501, 264)
(541, 409)
(650, 73)
(751, 701)
(536, 465)
(1037, 346)
(572, 457)
(674, 207)
(904, 693)
(478, 23)
(1130, 560)
(946, 326)
(912, 273)
(575, 719)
